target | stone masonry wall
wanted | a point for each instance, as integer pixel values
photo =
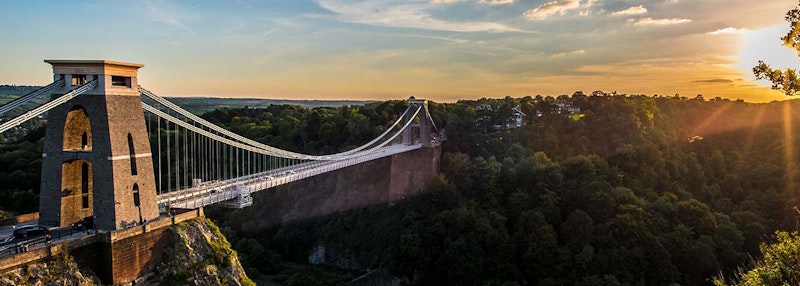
(375, 182)
(136, 256)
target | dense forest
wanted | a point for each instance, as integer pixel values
(628, 190)
(619, 190)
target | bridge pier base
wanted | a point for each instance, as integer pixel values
(359, 186)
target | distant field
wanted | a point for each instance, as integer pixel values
(6, 98)
(11, 92)
(200, 105)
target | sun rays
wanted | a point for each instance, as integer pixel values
(705, 127)
(751, 134)
(788, 147)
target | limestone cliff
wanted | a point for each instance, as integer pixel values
(60, 270)
(198, 254)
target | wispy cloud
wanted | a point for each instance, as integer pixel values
(658, 22)
(496, 2)
(405, 15)
(556, 8)
(446, 39)
(636, 10)
(563, 54)
(159, 14)
(270, 32)
(489, 2)
(713, 80)
(728, 30)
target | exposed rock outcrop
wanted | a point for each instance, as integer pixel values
(200, 255)
(60, 270)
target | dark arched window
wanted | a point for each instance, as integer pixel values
(136, 201)
(84, 141)
(133, 155)
(85, 185)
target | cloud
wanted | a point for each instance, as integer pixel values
(556, 7)
(714, 80)
(489, 2)
(160, 15)
(728, 30)
(496, 2)
(636, 10)
(658, 22)
(562, 54)
(401, 14)
(270, 32)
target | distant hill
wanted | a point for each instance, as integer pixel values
(200, 105)
(10, 92)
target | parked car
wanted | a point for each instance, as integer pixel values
(7, 240)
(30, 231)
(84, 223)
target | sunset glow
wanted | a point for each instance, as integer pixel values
(441, 50)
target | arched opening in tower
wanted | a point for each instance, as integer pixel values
(77, 130)
(132, 155)
(76, 191)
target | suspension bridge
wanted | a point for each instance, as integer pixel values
(121, 153)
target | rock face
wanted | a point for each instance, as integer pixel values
(198, 255)
(61, 270)
(343, 259)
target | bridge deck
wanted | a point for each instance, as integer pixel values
(236, 192)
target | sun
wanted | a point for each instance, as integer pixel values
(766, 45)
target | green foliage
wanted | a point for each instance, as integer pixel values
(20, 172)
(641, 190)
(176, 278)
(319, 130)
(779, 265)
(785, 81)
(221, 253)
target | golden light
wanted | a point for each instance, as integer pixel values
(766, 45)
(788, 137)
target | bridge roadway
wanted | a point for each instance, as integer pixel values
(237, 191)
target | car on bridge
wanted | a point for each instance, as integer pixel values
(6, 240)
(30, 231)
(84, 223)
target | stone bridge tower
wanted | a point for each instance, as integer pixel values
(420, 130)
(96, 159)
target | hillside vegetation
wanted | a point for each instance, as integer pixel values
(630, 190)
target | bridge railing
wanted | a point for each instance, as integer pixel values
(199, 196)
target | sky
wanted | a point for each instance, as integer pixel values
(443, 50)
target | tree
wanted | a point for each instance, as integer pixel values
(778, 267)
(785, 80)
